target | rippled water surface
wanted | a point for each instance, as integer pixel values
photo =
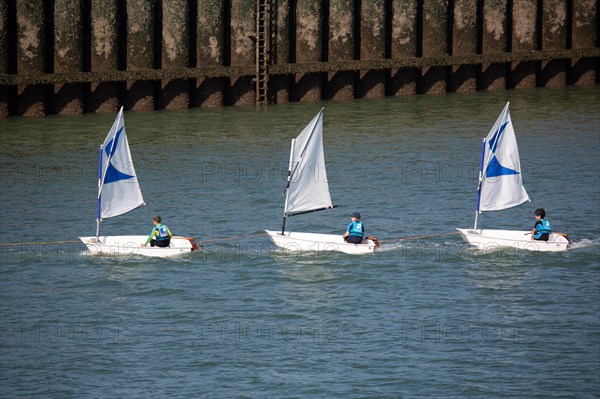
(424, 317)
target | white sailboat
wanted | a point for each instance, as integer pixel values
(501, 187)
(118, 193)
(307, 191)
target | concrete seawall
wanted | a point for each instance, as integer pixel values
(75, 56)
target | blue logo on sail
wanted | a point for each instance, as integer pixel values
(496, 138)
(112, 173)
(494, 168)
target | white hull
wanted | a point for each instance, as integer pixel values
(294, 241)
(131, 245)
(489, 239)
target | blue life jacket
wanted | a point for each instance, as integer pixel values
(542, 227)
(163, 233)
(356, 229)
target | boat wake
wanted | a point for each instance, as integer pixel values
(585, 243)
(389, 247)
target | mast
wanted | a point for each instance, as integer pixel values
(99, 192)
(479, 184)
(289, 179)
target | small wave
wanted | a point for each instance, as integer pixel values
(158, 292)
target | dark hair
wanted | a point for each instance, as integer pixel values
(156, 219)
(540, 212)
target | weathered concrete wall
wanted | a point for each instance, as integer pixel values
(524, 16)
(175, 93)
(584, 31)
(68, 55)
(372, 47)
(210, 51)
(31, 44)
(554, 37)
(279, 85)
(309, 45)
(4, 58)
(433, 79)
(464, 42)
(104, 57)
(340, 85)
(4, 37)
(403, 81)
(494, 40)
(141, 19)
(243, 51)
(73, 56)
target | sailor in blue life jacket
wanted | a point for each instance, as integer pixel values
(541, 230)
(161, 232)
(356, 230)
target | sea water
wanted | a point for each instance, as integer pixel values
(426, 316)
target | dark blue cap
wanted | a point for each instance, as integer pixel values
(356, 215)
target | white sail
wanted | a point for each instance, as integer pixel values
(308, 188)
(119, 191)
(501, 183)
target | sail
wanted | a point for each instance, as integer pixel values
(119, 191)
(501, 183)
(308, 189)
